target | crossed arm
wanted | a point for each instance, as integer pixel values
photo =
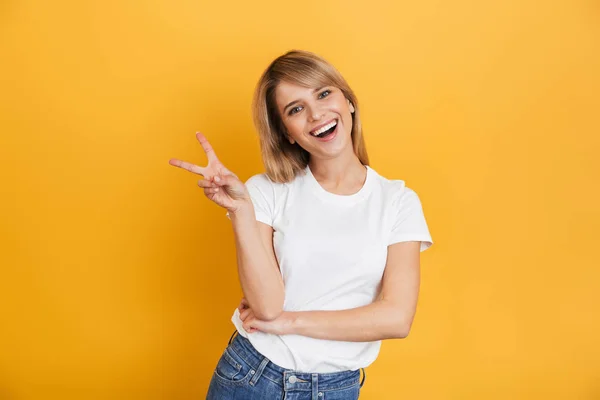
(390, 316)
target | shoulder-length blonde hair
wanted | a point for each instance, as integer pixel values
(283, 160)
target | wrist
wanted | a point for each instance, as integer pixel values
(243, 208)
(291, 325)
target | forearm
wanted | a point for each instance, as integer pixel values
(376, 321)
(259, 274)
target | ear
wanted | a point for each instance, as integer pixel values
(350, 106)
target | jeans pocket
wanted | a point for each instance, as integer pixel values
(227, 367)
(348, 393)
(232, 369)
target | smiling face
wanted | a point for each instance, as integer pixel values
(318, 119)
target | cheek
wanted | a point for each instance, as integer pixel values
(348, 121)
(295, 127)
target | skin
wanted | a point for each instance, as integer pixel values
(338, 170)
(234, 194)
(258, 270)
(333, 163)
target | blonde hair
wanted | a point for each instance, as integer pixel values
(283, 160)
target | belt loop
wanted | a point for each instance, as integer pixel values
(315, 386)
(259, 371)
(364, 377)
(231, 338)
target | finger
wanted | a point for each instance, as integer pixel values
(210, 191)
(243, 305)
(210, 153)
(254, 324)
(248, 324)
(205, 183)
(187, 166)
(226, 180)
(247, 315)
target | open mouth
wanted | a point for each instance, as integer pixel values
(326, 130)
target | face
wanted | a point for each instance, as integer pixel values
(318, 119)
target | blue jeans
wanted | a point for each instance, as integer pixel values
(242, 373)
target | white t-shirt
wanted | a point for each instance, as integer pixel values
(332, 251)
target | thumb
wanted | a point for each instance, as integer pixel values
(233, 186)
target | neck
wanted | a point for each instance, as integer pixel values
(342, 173)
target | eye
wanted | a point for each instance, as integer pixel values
(324, 93)
(294, 110)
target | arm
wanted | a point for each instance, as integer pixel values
(390, 316)
(257, 266)
(258, 269)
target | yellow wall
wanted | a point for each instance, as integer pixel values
(118, 277)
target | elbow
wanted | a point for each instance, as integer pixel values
(399, 332)
(268, 314)
(401, 329)
(402, 333)
(270, 311)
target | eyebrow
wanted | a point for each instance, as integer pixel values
(295, 101)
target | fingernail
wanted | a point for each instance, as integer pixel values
(217, 179)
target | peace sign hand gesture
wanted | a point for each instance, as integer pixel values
(220, 185)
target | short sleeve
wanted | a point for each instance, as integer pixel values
(262, 194)
(409, 222)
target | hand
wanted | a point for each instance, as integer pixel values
(243, 306)
(220, 185)
(282, 325)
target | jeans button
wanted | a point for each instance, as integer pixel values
(293, 379)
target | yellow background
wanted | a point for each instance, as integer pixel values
(118, 277)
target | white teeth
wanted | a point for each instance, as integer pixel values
(323, 129)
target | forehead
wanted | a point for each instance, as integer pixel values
(286, 92)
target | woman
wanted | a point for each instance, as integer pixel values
(327, 249)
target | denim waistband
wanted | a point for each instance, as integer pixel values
(303, 381)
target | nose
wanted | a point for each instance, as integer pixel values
(316, 114)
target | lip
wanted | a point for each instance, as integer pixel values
(322, 125)
(329, 138)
